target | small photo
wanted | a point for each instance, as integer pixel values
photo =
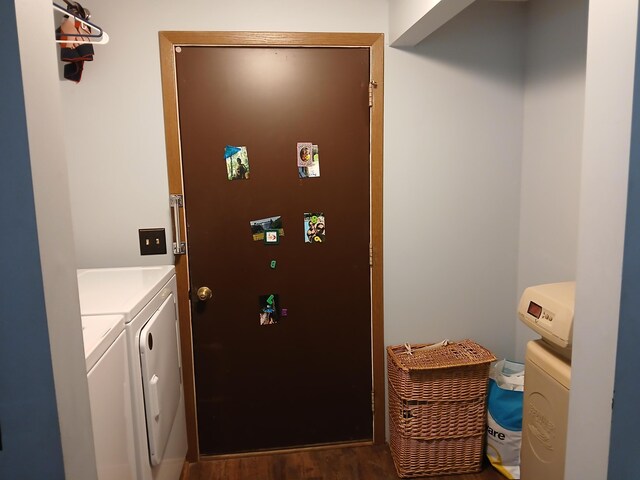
(237, 161)
(268, 313)
(258, 227)
(271, 237)
(312, 170)
(305, 154)
(314, 227)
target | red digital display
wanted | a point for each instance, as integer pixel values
(534, 309)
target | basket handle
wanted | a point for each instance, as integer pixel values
(409, 351)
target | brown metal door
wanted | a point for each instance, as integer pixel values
(308, 378)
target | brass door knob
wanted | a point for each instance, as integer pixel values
(204, 294)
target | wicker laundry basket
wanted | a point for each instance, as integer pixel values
(437, 407)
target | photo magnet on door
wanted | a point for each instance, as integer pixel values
(305, 154)
(259, 227)
(268, 309)
(237, 160)
(314, 227)
(312, 170)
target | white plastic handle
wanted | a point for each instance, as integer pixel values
(155, 403)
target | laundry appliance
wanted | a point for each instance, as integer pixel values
(548, 310)
(146, 299)
(110, 396)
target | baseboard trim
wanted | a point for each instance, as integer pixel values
(205, 458)
(185, 471)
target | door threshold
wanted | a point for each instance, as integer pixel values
(323, 446)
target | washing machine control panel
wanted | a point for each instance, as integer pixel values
(548, 310)
(540, 313)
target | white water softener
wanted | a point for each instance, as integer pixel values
(548, 310)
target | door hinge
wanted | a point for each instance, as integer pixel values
(370, 255)
(373, 402)
(176, 201)
(372, 85)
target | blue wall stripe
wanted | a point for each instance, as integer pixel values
(31, 447)
(624, 461)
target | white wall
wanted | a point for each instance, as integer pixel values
(605, 163)
(555, 53)
(411, 21)
(453, 123)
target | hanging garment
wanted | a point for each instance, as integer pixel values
(74, 52)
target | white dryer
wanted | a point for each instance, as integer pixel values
(146, 298)
(110, 396)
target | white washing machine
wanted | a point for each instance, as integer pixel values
(146, 298)
(110, 396)
(547, 309)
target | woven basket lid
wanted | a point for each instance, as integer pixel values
(455, 354)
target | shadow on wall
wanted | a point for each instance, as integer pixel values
(561, 50)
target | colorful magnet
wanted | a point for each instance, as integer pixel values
(273, 264)
(314, 227)
(271, 237)
(268, 309)
(283, 312)
(258, 227)
(237, 161)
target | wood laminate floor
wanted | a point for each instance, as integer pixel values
(350, 463)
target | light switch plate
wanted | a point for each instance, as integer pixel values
(153, 241)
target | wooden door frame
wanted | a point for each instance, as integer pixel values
(375, 43)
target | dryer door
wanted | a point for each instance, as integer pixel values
(160, 362)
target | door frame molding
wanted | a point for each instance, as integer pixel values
(375, 42)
